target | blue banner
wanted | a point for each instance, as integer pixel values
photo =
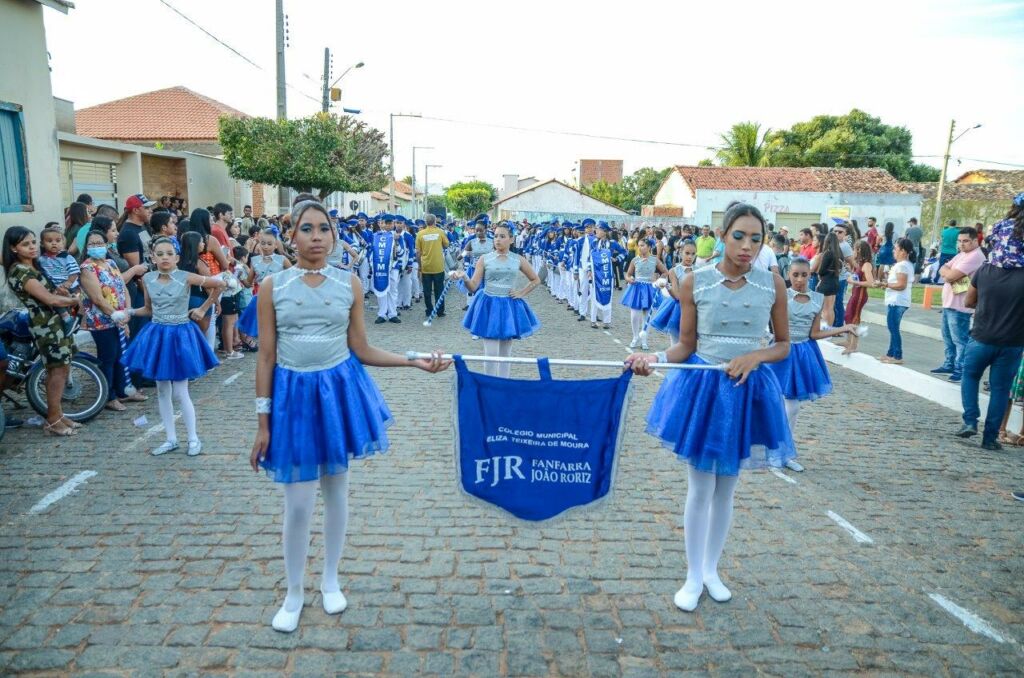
(537, 448)
(603, 278)
(383, 248)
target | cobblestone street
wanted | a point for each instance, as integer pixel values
(172, 565)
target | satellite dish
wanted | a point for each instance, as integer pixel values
(353, 205)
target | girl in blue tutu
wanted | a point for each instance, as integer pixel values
(266, 261)
(641, 294)
(725, 311)
(500, 314)
(317, 406)
(171, 349)
(803, 374)
(666, 318)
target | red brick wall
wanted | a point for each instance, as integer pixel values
(652, 211)
(258, 207)
(609, 171)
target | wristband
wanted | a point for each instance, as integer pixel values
(662, 357)
(263, 405)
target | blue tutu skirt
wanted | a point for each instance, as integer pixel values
(491, 317)
(718, 427)
(320, 419)
(641, 296)
(170, 352)
(666, 318)
(803, 375)
(247, 322)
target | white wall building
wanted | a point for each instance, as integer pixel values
(29, 192)
(794, 197)
(546, 200)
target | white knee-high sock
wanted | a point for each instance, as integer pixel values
(792, 410)
(636, 321)
(504, 349)
(299, 499)
(165, 404)
(700, 489)
(188, 412)
(334, 490)
(718, 523)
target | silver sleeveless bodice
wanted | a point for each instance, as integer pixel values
(644, 271)
(731, 322)
(169, 299)
(312, 322)
(500, 273)
(801, 315)
(263, 268)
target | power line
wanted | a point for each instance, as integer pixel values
(232, 49)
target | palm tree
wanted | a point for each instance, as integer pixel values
(744, 146)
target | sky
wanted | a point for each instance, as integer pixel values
(680, 73)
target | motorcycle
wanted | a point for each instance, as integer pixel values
(86, 390)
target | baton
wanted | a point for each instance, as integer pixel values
(413, 355)
(437, 304)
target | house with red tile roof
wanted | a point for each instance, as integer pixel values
(794, 197)
(176, 118)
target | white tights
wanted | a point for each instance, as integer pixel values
(166, 391)
(636, 321)
(706, 524)
(498, 347)
(299, 501)
(792, 409)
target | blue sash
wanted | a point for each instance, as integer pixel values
(602, 259)
(537, 448)
(383, 247)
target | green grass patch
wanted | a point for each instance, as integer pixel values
(916, 294)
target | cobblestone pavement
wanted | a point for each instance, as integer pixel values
(172, 565)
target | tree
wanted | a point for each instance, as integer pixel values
(852, 140)
(407, 179)
(633, 192)
(323, 152)
(744, 146)
(436, 206)
(469, 198)
(706, 162)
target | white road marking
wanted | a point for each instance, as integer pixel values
(152, 430)
(857, 534)
(617, 342)
(969, 619)
(62, 491)
(607, 332)
(939, 391)
(232, 379)
(782, 475)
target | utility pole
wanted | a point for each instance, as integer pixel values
(942, 181)
(415, 204)
(282, 103)
(282, 108)
(391, 137)
(325, 103)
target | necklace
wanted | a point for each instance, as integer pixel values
(314, 271)
(736, 279)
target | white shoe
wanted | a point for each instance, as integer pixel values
(645, 347)
(194, 447)
(794, 465)
(285, 621)
(633, 344)
(718, 591)
(334, 602)
(687, 600)
(168, 446)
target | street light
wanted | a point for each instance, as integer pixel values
(942, 175)
(391, 143)
(426, 187)
(422, 148)
(345, 72)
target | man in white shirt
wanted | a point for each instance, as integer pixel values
(766, 260)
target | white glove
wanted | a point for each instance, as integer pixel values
(231, 281)
(661, 283)
(119, 317)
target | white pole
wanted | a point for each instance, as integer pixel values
(413, 355)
